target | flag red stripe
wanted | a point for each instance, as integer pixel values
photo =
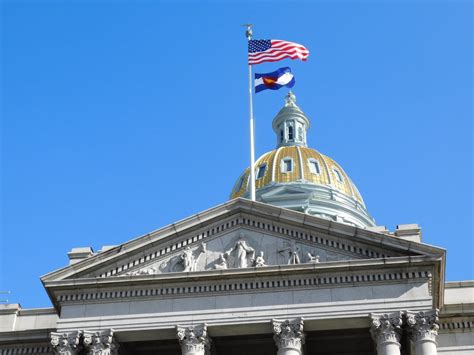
(263, 55)
(278, 51)
(275, 52)
(277, 58)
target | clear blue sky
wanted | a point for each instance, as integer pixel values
(121, 117)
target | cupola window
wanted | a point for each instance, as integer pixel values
(287, 165)
(281, 135)
(290, 133)
(261, 171)
(338, 175)
(314, 166)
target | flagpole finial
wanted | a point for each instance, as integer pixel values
(248, 32)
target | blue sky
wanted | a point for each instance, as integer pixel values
(121, 117)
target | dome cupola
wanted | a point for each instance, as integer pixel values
(300, 178)
(291, 124)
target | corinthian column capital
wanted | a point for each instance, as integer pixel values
(423, 325)
(100, 343)
(288, 335)
(386, 327)
(65, 343)
(194, 340)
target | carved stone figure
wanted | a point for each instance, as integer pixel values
(221, 263)
(313, 258)
(240, 251)
(188, 258)
(100, 343)
(293, 251)
(194, 339)
(65, 343)
(260, 261)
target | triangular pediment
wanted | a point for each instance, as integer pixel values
(286, 190)
(234, 235)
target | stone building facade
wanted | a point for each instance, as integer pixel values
(303, 270)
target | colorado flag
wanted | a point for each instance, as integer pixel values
(274, 80)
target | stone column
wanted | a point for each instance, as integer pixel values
(100, 343)
(194, 339)
(65, 343)
(288, 336)
(386, 330)
(423, 330)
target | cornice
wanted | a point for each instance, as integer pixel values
(311, 276)
(341, 266)
(31, 335)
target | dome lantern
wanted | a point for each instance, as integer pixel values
(291, 124)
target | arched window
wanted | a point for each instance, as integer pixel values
(314, 166)
(261, 171)
(286, 165)
(290, 133)
(239, 183)
(338, 175)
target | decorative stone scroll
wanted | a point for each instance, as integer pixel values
(65, 343)
(100, 343)
(194, 339)
(386, 330)
(288, 336)
(423, 330)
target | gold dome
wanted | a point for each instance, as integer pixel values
(307, 166)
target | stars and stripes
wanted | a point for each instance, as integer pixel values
(273, 50)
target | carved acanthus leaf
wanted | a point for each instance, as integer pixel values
(423, 325)
(193, 339)
(100, 343)
(65, 343)
(386, 327)
(288, 333)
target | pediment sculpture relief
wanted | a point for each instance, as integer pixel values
(237, 251)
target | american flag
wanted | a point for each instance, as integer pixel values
(273, 50)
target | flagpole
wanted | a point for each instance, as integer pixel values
(248, 33)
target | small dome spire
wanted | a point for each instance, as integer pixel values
(290, 100)
(291, 124)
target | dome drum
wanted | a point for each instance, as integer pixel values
(317, 200)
